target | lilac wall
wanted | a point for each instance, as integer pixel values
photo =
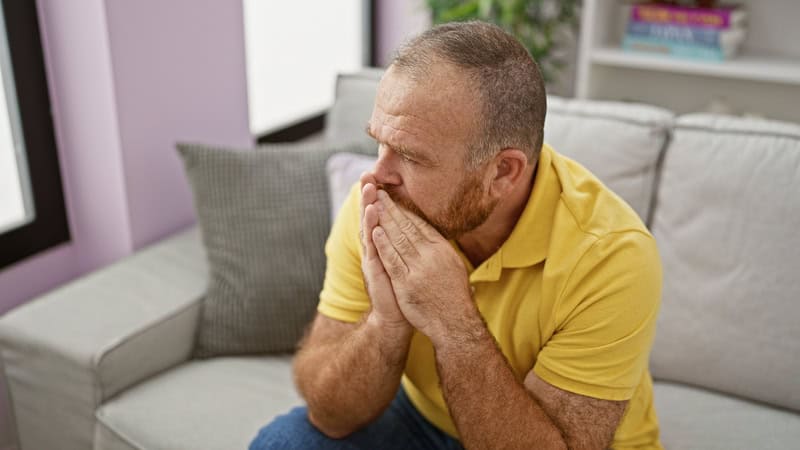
(397, 20)
(179, 74)
(126, 80)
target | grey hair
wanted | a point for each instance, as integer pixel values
(510, 84)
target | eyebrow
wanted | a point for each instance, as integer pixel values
(400, 149)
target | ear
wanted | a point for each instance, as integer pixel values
(509, 170)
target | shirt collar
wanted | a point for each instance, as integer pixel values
(530, 239)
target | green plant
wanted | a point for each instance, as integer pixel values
(541, 25)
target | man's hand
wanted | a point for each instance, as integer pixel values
(379, 286)
(428, 277)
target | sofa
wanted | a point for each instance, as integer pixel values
(105, 362)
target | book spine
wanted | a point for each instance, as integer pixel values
(676, 33)
(655, 45)
(719, 18)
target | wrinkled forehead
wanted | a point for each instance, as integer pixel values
(440, 107)
(439, 89)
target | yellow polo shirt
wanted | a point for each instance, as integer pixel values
(572, 294)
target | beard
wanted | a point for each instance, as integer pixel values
(464, 212)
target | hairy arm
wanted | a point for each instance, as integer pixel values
(492, 409)
(337, 367)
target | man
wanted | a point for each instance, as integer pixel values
(482, 290)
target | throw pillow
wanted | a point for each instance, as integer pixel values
(344, 170)
(264, 219)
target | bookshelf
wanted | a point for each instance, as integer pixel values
(764, 79)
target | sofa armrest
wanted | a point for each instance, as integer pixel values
(68, 351)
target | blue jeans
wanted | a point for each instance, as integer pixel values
(399, 427)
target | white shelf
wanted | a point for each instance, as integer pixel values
(763, 80)
(744, 67)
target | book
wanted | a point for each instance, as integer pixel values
(684, 34)
(723, 17)
(675, 49)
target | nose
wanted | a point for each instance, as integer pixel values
(386, 168)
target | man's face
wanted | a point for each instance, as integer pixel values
(424, 130)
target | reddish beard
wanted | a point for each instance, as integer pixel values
(465, 211)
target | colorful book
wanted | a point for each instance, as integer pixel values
(678, 50)
(722, 17)
(683, 34)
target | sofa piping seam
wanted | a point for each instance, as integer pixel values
(657, 173)
(117, 433)
(17, 441)
(740, 132)
(641, 123)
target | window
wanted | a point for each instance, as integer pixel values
(294, 51)
(16, 207)
(32, 213)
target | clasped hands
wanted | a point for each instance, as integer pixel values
(413, 275)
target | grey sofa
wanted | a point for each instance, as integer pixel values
(104, 362)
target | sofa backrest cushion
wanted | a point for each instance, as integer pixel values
(619, 142)
(727, 222)
(352, 107)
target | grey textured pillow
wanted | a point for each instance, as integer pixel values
(264, 219)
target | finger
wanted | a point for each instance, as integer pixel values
(425, 229)
(367, 177)
(368, 195)
(370, 222)
(398, 232)
(393, 213)
(393, 263)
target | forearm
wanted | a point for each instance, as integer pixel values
(490, 407)
(348, 382)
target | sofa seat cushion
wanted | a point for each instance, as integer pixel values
(218, 403)
(697, 418)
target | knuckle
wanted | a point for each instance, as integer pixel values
(396, 270)
(402, 241)
(407, 227)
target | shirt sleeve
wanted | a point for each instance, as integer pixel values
(605, 319)
(344, 296)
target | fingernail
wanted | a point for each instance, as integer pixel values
(382, 194)
(379, 205)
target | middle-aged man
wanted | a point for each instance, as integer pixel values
(482, 290)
